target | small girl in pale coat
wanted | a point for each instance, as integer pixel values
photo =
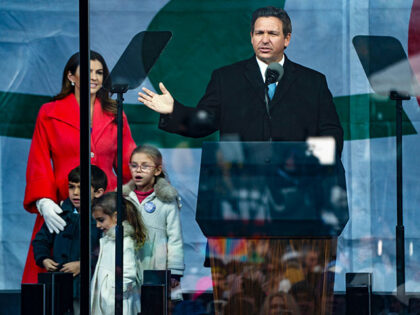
(157, 201)
(104, 210)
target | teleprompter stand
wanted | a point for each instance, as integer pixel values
(388, 70)
(129, 72)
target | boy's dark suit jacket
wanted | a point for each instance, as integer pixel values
(65, 246)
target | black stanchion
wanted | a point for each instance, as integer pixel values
(33, 299)
(358, 293)
(85, 213)
(58, 292)
(156, 292)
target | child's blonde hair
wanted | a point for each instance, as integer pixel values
(108, 205)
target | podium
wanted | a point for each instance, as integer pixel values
(272, 212)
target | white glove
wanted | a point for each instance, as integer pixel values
(50, 210)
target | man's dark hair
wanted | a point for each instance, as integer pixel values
(275, 12)
(98, 177)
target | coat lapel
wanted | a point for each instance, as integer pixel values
(100, 122)
(253, 75)
(67, 111)
(285, 82)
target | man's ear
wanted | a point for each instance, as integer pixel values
(287, 40)
(98, 193)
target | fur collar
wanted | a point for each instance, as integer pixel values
(128, 231)
(163, 190)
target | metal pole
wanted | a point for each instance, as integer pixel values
(119, 263)
(85, 215)
(399, 229)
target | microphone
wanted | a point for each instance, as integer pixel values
(273, 73)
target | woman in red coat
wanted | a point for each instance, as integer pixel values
(55, 148)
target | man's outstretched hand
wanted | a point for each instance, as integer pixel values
(161, 103)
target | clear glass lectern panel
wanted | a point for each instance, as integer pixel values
(272, 212)
(270, 189)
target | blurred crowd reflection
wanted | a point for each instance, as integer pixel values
(267, 276)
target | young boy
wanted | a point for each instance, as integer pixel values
(65, 246)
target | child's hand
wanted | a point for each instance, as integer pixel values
(73, 267)
(50, 264)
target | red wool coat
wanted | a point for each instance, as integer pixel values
(55, 151)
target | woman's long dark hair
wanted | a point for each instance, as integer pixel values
(108, 104)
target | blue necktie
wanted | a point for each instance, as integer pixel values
(271, 90)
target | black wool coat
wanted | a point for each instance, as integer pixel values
(234, 104)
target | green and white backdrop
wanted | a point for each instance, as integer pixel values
(37, 37)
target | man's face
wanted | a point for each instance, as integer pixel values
(268, 40)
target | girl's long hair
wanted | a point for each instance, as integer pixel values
(108, 204)
(108, 104)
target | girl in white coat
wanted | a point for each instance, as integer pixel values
(104, 210)
(157, 201)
